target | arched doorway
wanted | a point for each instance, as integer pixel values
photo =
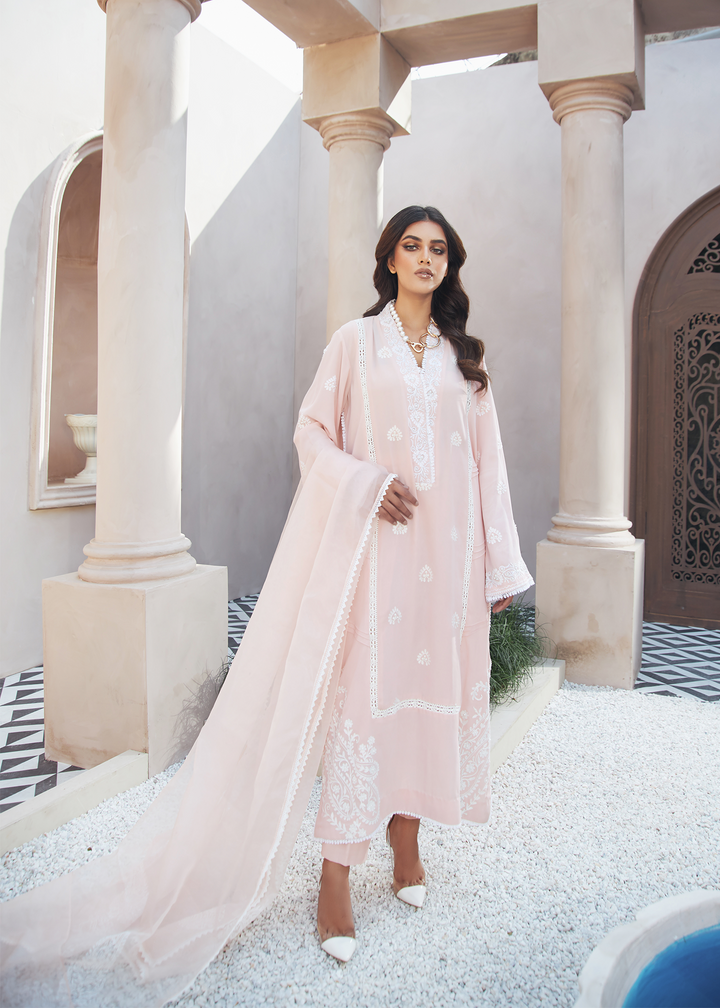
(676, 456)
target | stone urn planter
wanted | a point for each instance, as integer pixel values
(84, 431)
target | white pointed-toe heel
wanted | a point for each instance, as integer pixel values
(414, 895)
(341, 947)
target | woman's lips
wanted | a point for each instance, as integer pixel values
(425, 274)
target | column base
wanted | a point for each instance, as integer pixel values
(124, 663)
(590, 604)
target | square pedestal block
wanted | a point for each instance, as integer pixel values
(590, 603)
(123, 664)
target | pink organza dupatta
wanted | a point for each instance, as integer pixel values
(135, 928)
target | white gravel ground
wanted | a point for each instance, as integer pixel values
(611, 802)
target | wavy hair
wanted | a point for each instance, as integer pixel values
(450, 304)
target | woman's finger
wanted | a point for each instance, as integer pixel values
(404, 491)
(397, 502)
(394, 513)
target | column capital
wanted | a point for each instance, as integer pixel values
(589, 94)
(193, 6)
(368, 124)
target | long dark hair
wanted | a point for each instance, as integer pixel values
(450, 303)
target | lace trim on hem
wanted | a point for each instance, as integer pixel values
(509, 592)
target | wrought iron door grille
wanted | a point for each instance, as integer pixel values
(708, 261)
(696, 451)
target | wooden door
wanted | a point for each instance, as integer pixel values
(675, 499)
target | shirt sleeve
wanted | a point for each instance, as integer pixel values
(505, 570)
(320, 425)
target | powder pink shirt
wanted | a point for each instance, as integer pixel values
(410, 726)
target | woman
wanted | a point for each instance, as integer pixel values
(368, 646)
(405, 389)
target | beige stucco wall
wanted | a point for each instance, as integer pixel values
(243, 173)
(51, 63)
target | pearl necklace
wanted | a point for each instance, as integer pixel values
(432, 330)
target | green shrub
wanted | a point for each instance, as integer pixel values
(516, 645)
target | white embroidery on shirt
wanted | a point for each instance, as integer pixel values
(362, 362)
(303, 421)
(385, 352)
(482, 408)
(400, 529)
(470, 533)
(455, 439)
(350, 799)
(453, 534)
(455, 620)
(375, 710)
(302, 467)
(394, 616)
(509, 579)
(502, 486)
(499, 443)
(493, 536)
(474, 743)
(394, 434)
(424, 657)
(422, 396)
(331, 384)
(426, 573)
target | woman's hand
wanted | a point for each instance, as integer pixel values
(394, 507)
(501, 604)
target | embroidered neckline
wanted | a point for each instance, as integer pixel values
(421, 384)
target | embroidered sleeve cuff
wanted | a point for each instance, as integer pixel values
(504, 582)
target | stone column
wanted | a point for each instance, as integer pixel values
(356, 93)
(356, 142)
(592, 431)
(140, 294)
(590, 567)
(129, 637)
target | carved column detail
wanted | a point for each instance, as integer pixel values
(356, 142)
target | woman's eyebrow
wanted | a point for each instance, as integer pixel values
(436, 241)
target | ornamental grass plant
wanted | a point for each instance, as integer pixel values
(516, 646)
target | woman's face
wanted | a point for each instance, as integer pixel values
(420, 259)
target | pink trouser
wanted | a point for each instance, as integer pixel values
(351, 853)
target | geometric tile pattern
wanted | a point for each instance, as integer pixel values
(239, 612)
(676, 661)
(680, 661)
(24, 771)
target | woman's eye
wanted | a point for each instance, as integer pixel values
(409, 248)
(438, 251)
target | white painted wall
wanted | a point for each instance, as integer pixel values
(51, 66)
(242, 208)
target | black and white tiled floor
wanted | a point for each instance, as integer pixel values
(24, 771)
(239, 612)
(680, 660)
(677, 661)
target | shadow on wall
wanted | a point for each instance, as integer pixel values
(238, 422)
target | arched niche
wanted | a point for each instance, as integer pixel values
(65, 368)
